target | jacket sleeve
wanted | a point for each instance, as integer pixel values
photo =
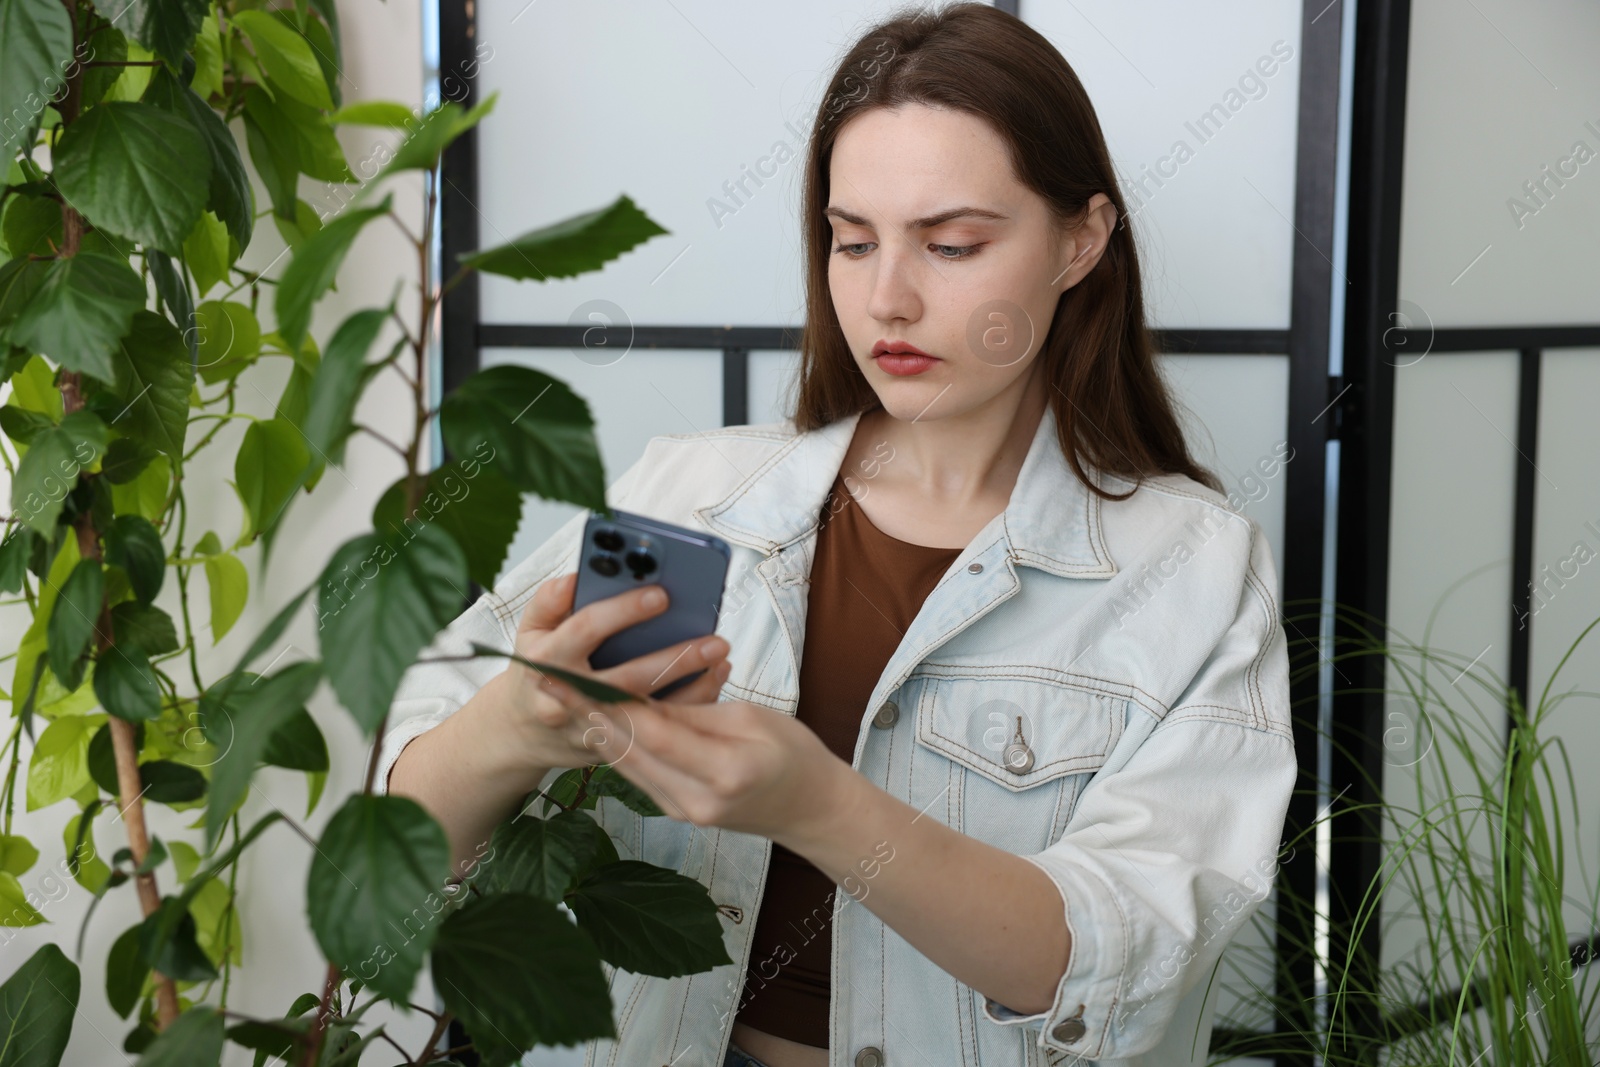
(429, 693)
(1166, 857)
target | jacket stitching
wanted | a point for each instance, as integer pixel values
(1034, 672)
(1230, 720)
(1102, 756)
(1253, 673)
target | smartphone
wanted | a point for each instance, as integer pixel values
(627, 550)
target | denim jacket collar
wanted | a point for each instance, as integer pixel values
(1051, 522)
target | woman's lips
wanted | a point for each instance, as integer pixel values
(904, 363)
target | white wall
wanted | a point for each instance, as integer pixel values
(383, 59)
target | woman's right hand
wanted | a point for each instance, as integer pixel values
(551, 632)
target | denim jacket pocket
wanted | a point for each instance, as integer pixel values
(1017, 745)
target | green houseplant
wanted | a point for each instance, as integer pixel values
(127, 327)
(1476, 835)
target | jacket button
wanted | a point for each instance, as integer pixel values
(871, 1056)
(1070, 1029)
(888, 714)
(1018, 758)
(974, 568)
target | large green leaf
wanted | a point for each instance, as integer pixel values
(229, 582)
(230, 339)
(312, 270)
(17, 854)
(297, 745)
(145, 626)
(35, 47)
(545, 857)
(241, 725)
(59, 766)
(649, 920)
(301, 135)
(194, 1039)
(135, 546)
(82, 306)
(386, 113)
(154, 379)
(167, 941)
(337, 384)
(72, 620)
(375, 889)
(20, 279)
(518, 974)
(15, 551)
(14, 907)
(267, 469)
(48, 472)
(125, 683)
(472, 502)
(287, 58)
(530, 427)
(137, 170)
(206, 252)
(170, 782)
(228, 191)
(575, 246)
(37, 1005)
(430, 137)
(382, 598)
(167, 27)
(125, 972)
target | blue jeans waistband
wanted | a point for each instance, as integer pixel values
(738, 1057)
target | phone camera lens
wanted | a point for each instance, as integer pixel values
(640, 562)
(604, 565)
(608, 540)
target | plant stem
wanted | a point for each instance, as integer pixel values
(320, 1026)
(124, 750)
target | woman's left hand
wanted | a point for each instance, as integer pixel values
(731, 764)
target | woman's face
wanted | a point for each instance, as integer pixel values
(938, 247)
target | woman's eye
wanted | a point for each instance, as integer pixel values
(946, 252)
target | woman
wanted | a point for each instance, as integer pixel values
(995, 655)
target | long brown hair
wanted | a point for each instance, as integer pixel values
(1111, 405)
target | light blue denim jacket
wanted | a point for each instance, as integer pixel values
(1099, 687)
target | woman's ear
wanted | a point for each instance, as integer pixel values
(1082, 248)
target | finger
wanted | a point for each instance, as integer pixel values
(647, 673)
(669, 787)
(550, 603)
(581, 633)
(699, 754)
(704, 689)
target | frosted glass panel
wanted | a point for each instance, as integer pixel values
(674, 104)
(1566, 573)
(645, 393)
(772, 382)
(1198, 103)
(1450, 548)
(1501, 202)
(684, 102)
(1237, 425)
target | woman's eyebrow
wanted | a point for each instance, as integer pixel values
(927, 222)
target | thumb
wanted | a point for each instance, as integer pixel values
(550, 603)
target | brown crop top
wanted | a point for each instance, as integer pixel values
(866, 588)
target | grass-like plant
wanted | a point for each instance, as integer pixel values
(1476, 838)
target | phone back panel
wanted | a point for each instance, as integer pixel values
(691, 566)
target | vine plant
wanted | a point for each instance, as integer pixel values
(127, 328)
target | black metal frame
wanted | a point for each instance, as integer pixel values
(1357, 410)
